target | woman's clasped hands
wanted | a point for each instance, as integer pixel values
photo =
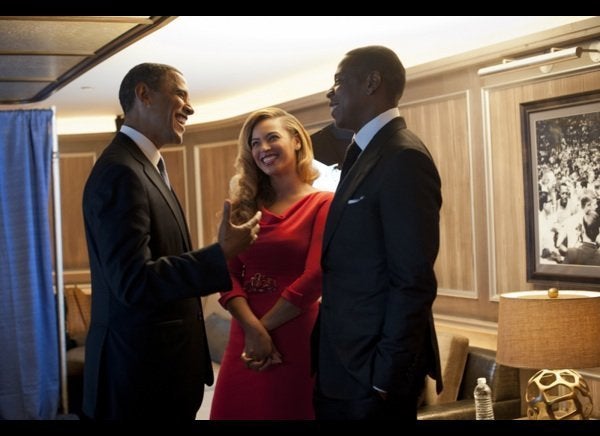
(261, 364)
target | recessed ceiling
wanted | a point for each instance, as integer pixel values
(235, 64)
(39, 55)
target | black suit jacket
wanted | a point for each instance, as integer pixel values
(146, 350)
(380, 244)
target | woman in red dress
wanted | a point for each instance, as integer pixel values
(265, 372)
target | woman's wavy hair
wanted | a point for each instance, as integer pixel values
(250, 187)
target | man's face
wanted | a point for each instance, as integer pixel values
(168, 110)
(347, 97)
(564, 198)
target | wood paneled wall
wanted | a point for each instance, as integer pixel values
(506, 166)
(472, 127)
(443, 125)
(215, 169)
(78, 153)
(74, 169)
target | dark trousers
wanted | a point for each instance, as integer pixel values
(372, 407)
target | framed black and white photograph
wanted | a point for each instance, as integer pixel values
(561, 157)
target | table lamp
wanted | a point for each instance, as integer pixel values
(551, 329)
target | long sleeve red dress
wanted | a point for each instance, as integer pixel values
(283, 262)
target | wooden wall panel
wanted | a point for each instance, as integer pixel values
(506, 193)
(443, 125)
(476, 144)
(77, 156)
(74, 171)
(215, 169)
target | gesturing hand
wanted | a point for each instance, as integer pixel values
(233, 238)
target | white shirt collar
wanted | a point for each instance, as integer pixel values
(364, 136)
(144, 144)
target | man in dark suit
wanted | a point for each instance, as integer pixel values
(146, 350)
(375, 340)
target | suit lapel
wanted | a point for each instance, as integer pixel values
(165, 191)
(171, 200)
(182, 222)
(365, 164)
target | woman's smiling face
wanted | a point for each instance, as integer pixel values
(273, 147)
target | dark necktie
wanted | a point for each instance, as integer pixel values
(163, 171)
(352, 153)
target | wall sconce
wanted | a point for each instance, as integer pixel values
(556, 55)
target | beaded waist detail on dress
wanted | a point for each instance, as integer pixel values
(260, 283)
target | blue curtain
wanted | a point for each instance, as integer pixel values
(29, 356)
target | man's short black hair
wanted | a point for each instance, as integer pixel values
(150, 73)
(384, 60)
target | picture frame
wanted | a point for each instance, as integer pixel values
(561, 165)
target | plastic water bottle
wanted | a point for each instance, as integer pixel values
(483, 400)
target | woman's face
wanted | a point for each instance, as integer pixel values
(273, 147)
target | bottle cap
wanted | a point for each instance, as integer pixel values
(481, 381)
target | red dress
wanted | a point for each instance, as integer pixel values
(283, 262)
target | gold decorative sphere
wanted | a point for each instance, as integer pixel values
(561, 394)
(553, 292)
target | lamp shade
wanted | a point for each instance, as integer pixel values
(537, 331)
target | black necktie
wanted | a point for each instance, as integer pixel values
(352, 153)
(163, 171)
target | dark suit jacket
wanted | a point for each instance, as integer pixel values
(146, 350)
(380, 244)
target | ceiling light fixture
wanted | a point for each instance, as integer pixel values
(556, 55)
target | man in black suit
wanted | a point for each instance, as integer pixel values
(146, 350)
(375, 341)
